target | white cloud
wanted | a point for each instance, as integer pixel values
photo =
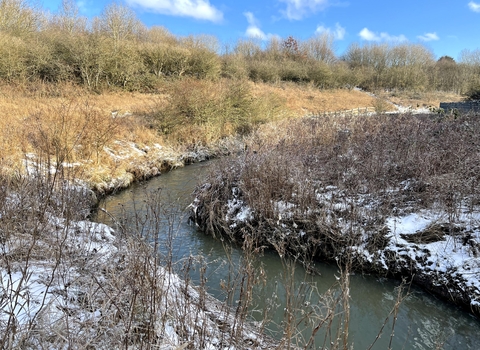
(474, 6)
(297, 9)
(253, 30)
(368, 35)
(338, 33)
(428, 37)
(199, 9)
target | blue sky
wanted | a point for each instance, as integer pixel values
(445, 26)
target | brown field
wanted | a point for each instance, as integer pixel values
(419, 99)
(16, 102)
(75, 125)
(307, 99)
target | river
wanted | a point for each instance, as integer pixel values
(423, 322)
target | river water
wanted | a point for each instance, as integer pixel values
(423, 322)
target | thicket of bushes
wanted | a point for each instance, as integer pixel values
(117, 50)
(199, 112)
(114, 50)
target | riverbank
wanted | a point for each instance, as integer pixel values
(69, 282)
(392, 195)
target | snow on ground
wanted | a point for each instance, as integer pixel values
(453, 257)
(440, 249)
(411, 110)
(71, 280)
(399, 108)
(39, 281)
(238, 211)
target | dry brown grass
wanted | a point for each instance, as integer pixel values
(18, 102)
(38, 116)
(304, 99)
(73, 125)
(419, 99)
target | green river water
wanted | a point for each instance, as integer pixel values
(423, 322)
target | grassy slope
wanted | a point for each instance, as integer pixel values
(76, 126)
(306, 99)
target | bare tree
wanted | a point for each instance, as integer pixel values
(470, 57)
(119, 22)
(160, 35)
(321, 48)
(274, 48)
(470, 68)
(384, 66)
(68, 18)
(202, 41)
(409, 66)
(248, 48)
(18, 18)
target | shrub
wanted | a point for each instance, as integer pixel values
(380, 105)
(82, 57)
(165, 59)
(203, 64)
(264, 71)
(41, 62)
(473, 93)
(69, 132)
(58, 56)
(400, 162)
(234, 67)
(123, 65)
(319, 74)
(292, 70)
(12, 57)
(202, 111)
(342, 77)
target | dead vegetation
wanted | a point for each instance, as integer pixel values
(68, 282)
(306, 99)
(418, 99)
(110, 110)
(316, 187)
(131, 135)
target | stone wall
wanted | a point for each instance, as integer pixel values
(468, 106)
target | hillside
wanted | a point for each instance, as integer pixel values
(100, 135)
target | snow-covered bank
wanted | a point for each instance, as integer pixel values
(69, 283)
(439, 252)
(146, 162)
(128, 163)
